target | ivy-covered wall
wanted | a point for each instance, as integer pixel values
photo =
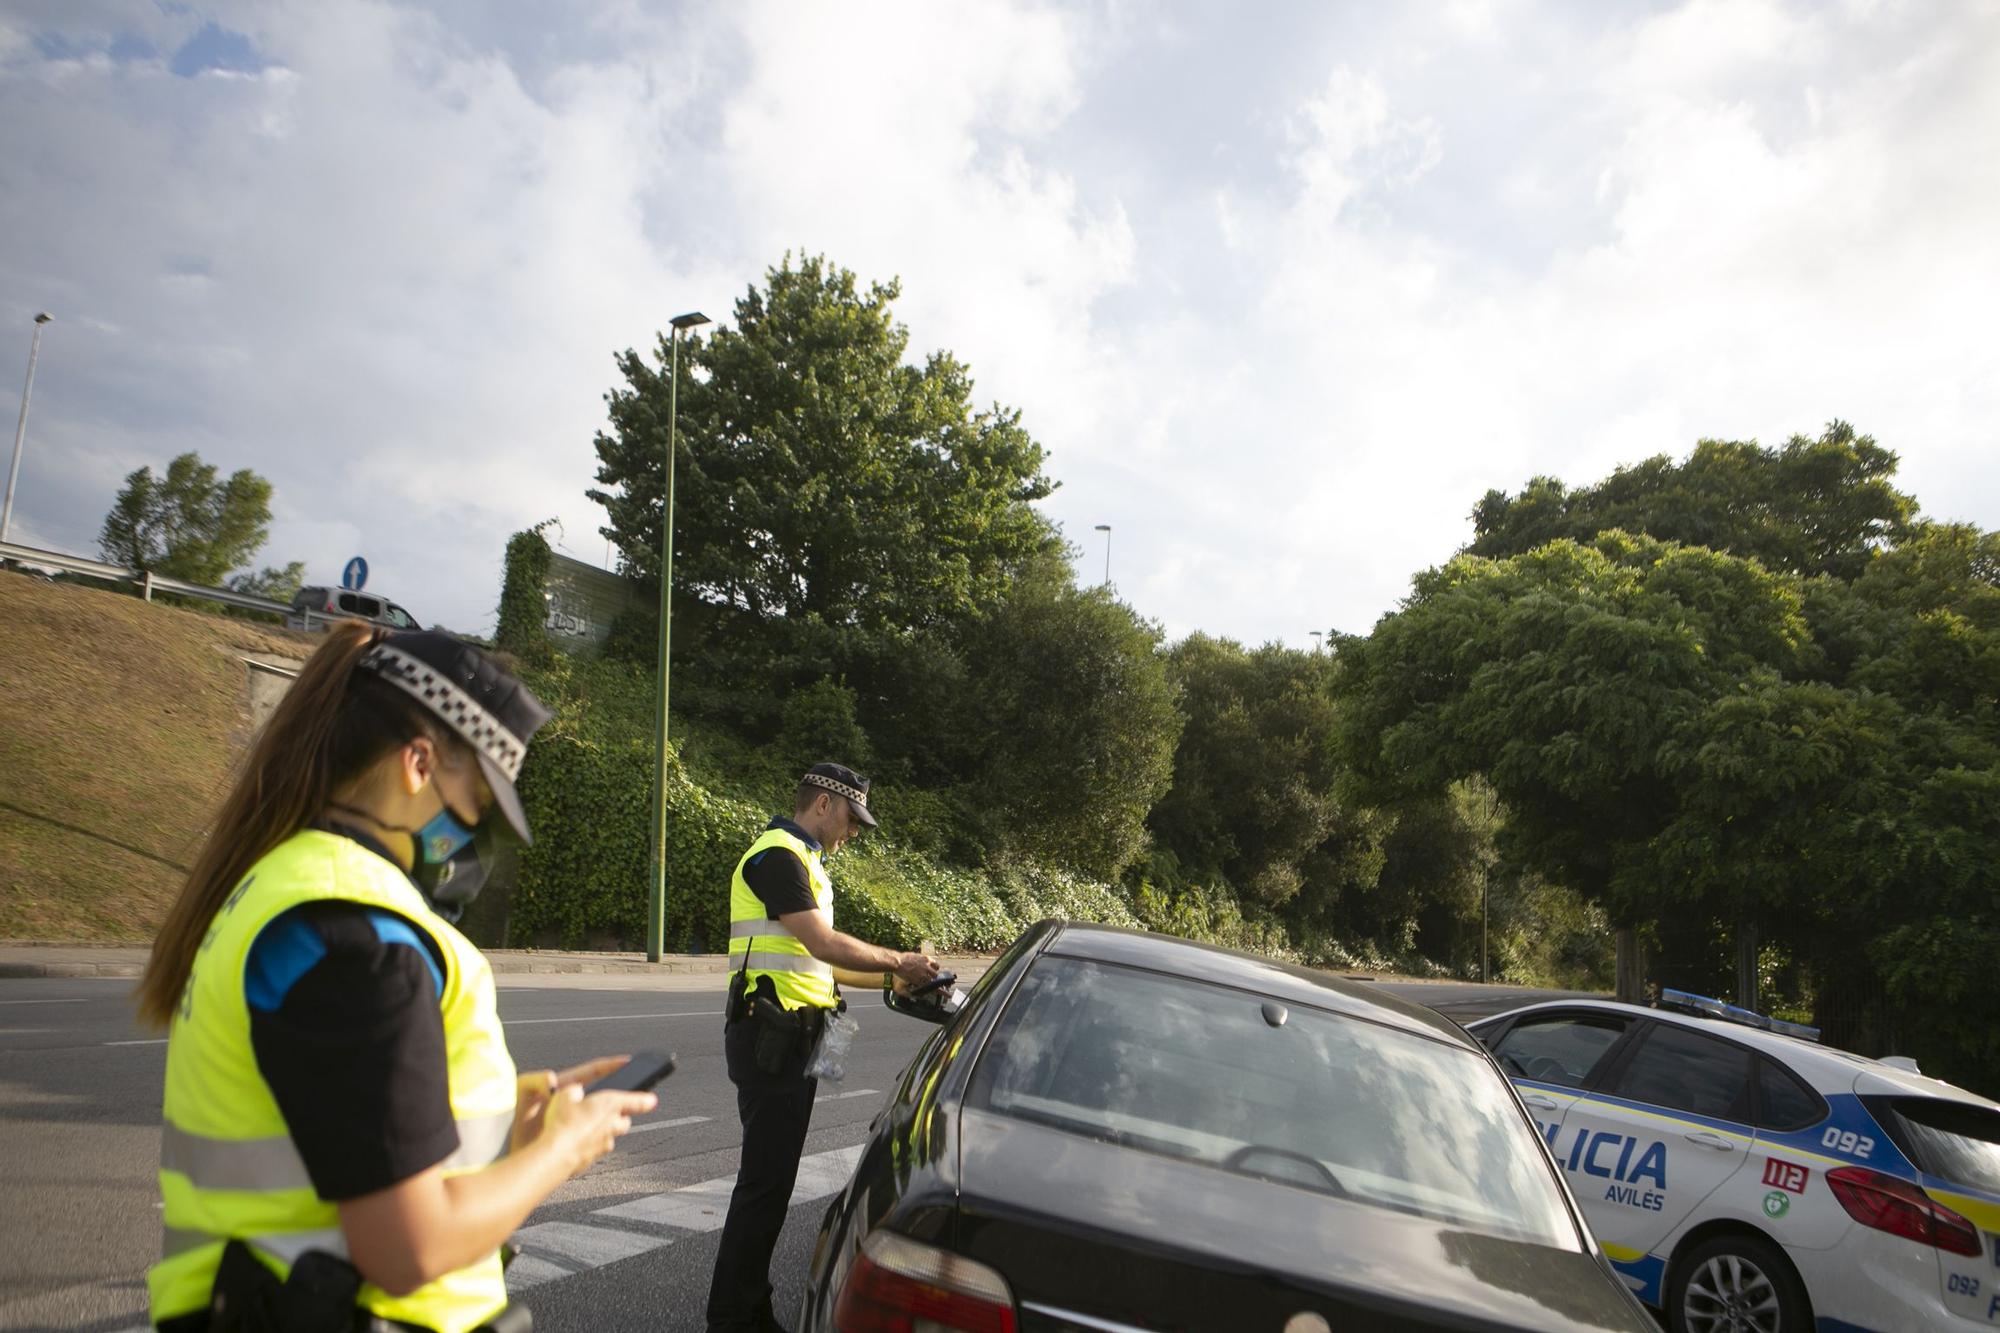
(523, 605)
(584, 883)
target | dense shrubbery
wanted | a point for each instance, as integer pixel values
(588, 788)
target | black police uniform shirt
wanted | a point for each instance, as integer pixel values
(347, 1030)
(778, 878)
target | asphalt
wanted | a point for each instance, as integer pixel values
(79, 1139)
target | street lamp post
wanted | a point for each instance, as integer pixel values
(1105, 528)
(656, 909)
(1316, 638)
(21, 427)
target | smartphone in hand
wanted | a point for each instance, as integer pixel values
(638, 1074)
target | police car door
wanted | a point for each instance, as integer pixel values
(1668, 1126)
(1551, 1054)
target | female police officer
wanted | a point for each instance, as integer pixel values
(347, 1143)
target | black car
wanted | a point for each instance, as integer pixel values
(1119, 1130)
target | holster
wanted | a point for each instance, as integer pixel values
(782, 1039)
(317, 1296)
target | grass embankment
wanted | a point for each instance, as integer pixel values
(119, 724)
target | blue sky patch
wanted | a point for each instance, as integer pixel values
(216, 47)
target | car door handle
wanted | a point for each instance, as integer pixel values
(1708, 1140)
(1539, 1102)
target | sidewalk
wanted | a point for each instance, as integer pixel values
(32, 958)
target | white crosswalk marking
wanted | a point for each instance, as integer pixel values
(583, 1246)
(668, 1124)
(689, 1209)
(551, 1250)
(844, 1096)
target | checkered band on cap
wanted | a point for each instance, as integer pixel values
(457, 709)
(835, 785)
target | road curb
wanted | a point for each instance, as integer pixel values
(13, 970)
(540, 965)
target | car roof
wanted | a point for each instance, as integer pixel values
(1249, 972)
(1827, 1068)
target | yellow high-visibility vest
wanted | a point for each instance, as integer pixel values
(228, 1167)
(762, 947)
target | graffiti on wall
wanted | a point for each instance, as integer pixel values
(569, 614)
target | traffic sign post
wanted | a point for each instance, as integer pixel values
(355, 576)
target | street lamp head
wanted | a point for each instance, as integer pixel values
(692, 319)
(44, 317)
(1104, 527)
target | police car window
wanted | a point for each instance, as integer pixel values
(1165, 1065)
(1951, 1140)
(1783, 1102)
(1561, 1049)
(400, 618)
(1688, 1071)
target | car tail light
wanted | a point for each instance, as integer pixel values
(329, 602)
(899, 1285)
(1901, 1209)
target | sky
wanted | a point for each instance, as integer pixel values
(1283, 289)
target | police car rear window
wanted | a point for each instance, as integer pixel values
(1318, 1101)
(1951, 1140)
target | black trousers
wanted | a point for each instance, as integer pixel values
(776, 1111)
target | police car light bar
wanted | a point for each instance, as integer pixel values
(1709, 1007)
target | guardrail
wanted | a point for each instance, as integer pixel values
(150, 583)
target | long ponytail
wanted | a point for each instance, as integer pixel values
(329, 728)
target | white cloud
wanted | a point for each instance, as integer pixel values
(1282, 345)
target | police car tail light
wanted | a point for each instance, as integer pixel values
(1901, 1209)
(899, 1285)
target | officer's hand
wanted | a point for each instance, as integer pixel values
(914, 969)
(533, 1090)
(580, 1129)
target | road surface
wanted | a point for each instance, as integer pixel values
(627, 1246)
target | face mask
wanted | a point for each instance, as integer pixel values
(453, 861)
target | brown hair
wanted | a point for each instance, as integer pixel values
(332, 725)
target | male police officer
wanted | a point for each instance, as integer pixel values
(786, 959)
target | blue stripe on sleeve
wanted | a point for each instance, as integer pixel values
(291, 946)
(284, 951)
(393, 929)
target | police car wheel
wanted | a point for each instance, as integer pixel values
(1736, 1284)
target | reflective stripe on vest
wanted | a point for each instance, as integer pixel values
(275, 1164)
(766, 948)
(228, 1167)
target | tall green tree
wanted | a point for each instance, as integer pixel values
(1252, 799)
(822, 475)
(1071, 720)
(189, 523)
(1812, 506)
(1565, 678)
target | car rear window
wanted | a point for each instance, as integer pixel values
(1951, 1140)
(1321, 1101)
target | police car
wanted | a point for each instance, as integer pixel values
(1741, 1177)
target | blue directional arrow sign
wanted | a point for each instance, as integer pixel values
(355, 576)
